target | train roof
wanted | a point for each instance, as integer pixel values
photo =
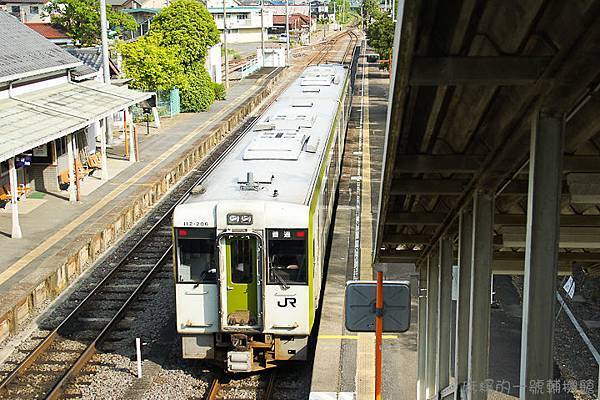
(284, 148)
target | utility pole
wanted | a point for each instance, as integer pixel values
(287, 31)
(262, 32)
(309, 20)
(107, 134)
(104, 37)
(225, 45)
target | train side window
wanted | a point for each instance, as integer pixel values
(287, 254)
(196, 258)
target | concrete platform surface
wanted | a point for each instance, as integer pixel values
(344, 361)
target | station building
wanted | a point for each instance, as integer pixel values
(51, 119)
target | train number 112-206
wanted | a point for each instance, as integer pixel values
(194, 224)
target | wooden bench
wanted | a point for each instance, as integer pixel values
(63, 180)
(23, 191)
(5, 193)
(94, 161)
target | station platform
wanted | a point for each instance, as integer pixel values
(344, 362)
(61, 238)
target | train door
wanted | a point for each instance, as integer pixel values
(242, 254)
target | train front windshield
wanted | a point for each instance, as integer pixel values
(287, 257)
(196, 250)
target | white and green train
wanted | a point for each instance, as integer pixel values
(250, 243)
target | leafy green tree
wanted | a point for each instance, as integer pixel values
(342, 10)
(189, 25)
(380, 34)
(152, 66)
(197, 93)
(172, 55)
(81, 19)
(370, 10)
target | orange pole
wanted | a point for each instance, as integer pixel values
(137, 143)
(378, 334)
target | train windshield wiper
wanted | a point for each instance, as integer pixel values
(280, 279)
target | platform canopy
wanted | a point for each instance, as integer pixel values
(36, 118)
(468, 78)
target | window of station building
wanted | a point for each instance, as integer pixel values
(61, 146)
(34, 10)
(197, 261)
(287, 254)
(242, 259)
(15, 9)
(242, 16)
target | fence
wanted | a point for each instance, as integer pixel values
(169, 103)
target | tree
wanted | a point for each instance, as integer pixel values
(198, 92)
(188, 25)
(380, 34)
(370, 9)
(172, 55)
(81, 20)
(152, 66)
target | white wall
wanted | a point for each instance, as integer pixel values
(244, 36)
(27, 12)
(213, 63)
(45, 84)
(242, 19)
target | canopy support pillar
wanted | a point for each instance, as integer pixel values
(14, 197)
(481, 281)
(71, 161)
(461, 347)
(541, 252)
(132, 143)
(444, 312)
(433, 266)
(422, 334)
(103, 133)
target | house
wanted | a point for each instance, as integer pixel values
(92, 64)
(278, 8)
(50, 123)
(52, 33)
(243, 22)
(134, 4)
(26, 10)
(297, 22)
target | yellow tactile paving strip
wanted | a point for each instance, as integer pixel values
(67, 229)
(365, 352)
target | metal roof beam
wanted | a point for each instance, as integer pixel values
(396, 238)
(421, 163)
(473, 70)
(581, 163)
(429, 186)
(455, 187)
(425, 218)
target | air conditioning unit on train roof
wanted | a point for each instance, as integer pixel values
(276, 145)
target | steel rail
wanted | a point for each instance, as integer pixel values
(217, 386)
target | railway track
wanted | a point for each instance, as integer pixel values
(276, 384)
(254, 387)
(62, 354)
